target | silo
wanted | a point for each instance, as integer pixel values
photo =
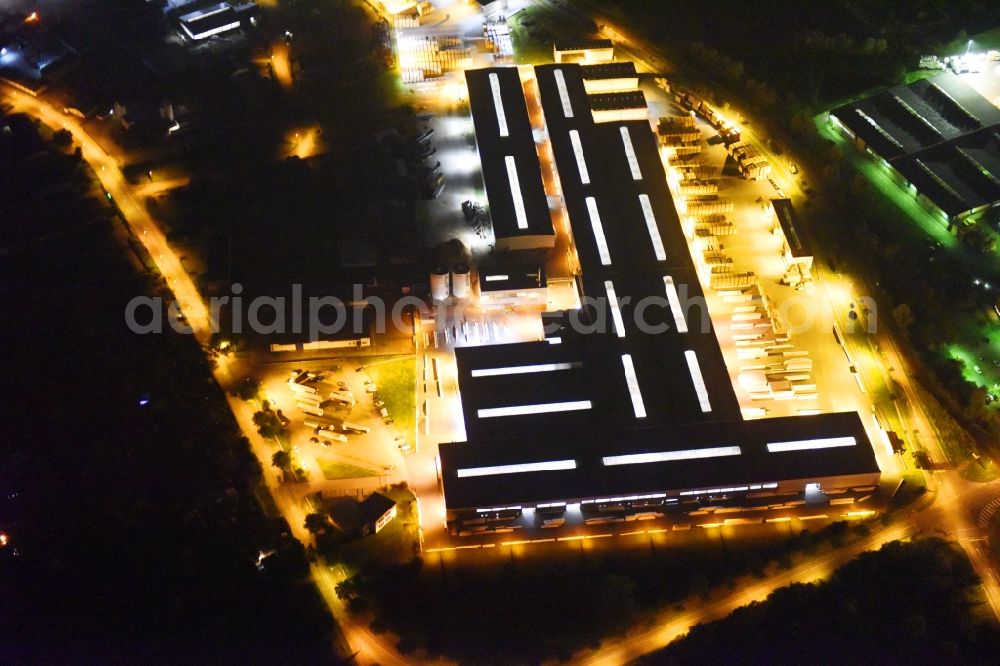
(439, 284)
(461, 281)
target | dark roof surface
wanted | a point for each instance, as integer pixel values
(375, 506)
(959, 175)
(632, 99)
(588, 367)
(494, 149)
(609, 70)
(907, 119)
(506, 277)
(591, 478)
(789, 226)
(939, 134)
(580, 45)
(209, 18)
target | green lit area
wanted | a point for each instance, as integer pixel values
(531, 32)
(878, 173)
(396, 379)
(980, 366)
(981, 41)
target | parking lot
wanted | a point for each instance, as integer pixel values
(338, 426)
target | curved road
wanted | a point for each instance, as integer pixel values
(951, 512)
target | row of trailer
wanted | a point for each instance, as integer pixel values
(323, 406)
(695, 104)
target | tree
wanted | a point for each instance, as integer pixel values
(316, 523)
(62, 138)
(902, 316)
(267, 423)
(699, 585)
(282, 460)
(247, 389)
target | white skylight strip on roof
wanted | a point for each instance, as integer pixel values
(633, 387)
(675, 305)
(498, 104)
(616, 312)
(581, 162)
(633, 162)
(671, 456)
(699, 382)
(654, 232)
(497, 278)
(525, 369)
(515, 193)
(550, 466)
(810, 444)
(595, 223)
(541, 408)
(206, 12)
(564, 94)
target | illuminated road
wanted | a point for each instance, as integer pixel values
(160, 187)
(950, 512)
(627, 649)
(368, 647)
(281, 64)
(303, 143)
(144, 228)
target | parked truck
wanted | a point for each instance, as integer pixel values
(329, 434)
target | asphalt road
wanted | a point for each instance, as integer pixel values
(954, 513)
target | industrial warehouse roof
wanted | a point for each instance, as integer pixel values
(509, 277)
(211, 17)
(957, 176)
(632, 99)
(513, 178)
(604, 388)
(609, 70)
(584, 44)
(630, 243)
(939, 134)
(907, 119)
(789, 226)
(684, 458)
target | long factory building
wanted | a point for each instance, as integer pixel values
(938, 138)
(605, 415)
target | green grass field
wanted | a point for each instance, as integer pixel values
(337, 470)
(532, 37)
(396, 379)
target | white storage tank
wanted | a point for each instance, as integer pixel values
(439, 284)
(461, 281)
